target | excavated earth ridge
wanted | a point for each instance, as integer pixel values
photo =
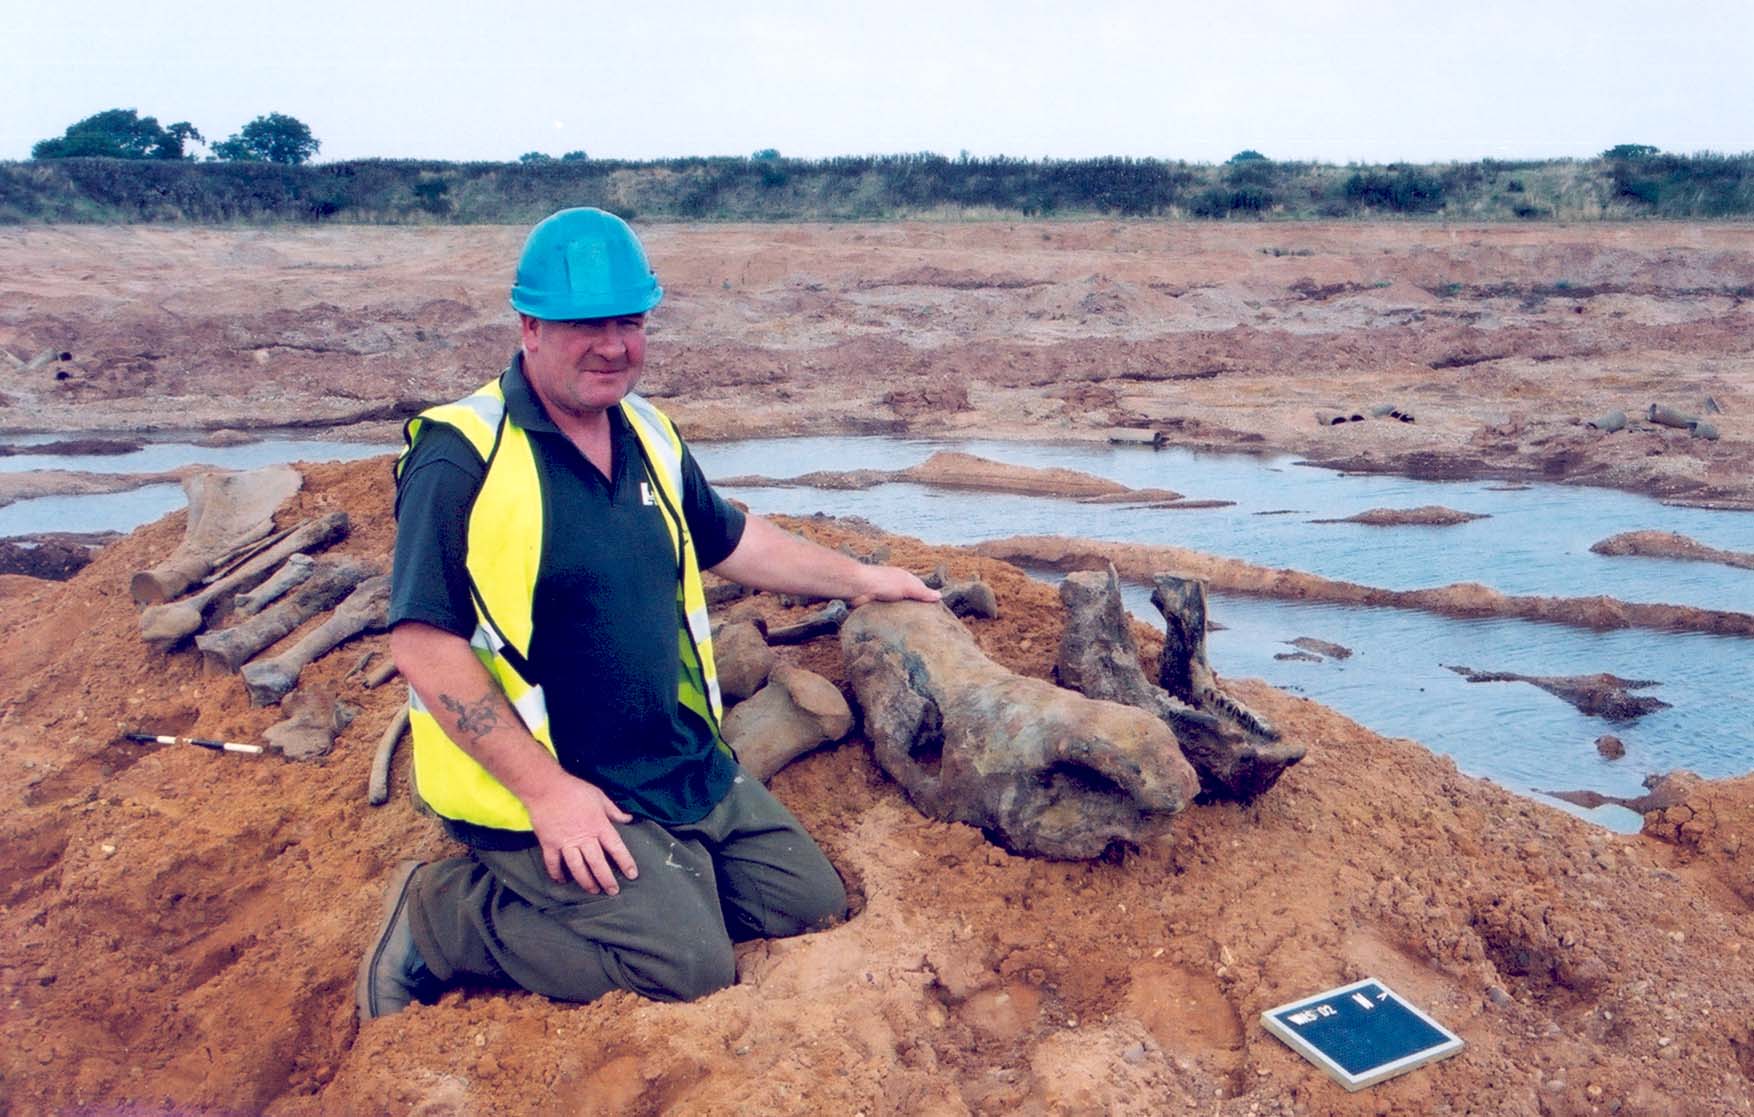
(183, 925)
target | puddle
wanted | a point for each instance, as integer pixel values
(156, 456)
(1536, 541)
(125, 511)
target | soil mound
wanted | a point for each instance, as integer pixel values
(182, 925)
(1139, 561)
(1668, 544)
(1428, 515)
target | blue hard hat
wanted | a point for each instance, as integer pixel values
(583, 263)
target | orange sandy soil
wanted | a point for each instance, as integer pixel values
(1503, 340)
(182, 926)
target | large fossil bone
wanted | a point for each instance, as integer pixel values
(367, 608)
(743, 657)
(795, 712)
(165, 626)
(294, 571)
(1236, 753)
(227, 513)
(230, 648)
(1042, 769)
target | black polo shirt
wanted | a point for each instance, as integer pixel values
(605, 643)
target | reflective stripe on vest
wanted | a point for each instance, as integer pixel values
(505, 535)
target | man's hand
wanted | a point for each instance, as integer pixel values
(891, 583)
(574, 822)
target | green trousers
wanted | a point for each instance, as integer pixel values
(747, 870)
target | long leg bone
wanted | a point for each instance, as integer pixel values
(366, 608)
(230, 648)
(165, 626)
(292, 573)
(227, 513)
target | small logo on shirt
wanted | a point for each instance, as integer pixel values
(645, 493)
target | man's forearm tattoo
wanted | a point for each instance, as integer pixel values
(476, 719)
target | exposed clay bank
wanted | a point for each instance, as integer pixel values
(1502, 341)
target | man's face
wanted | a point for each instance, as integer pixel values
(584, 367)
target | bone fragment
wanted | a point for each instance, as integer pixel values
(1609, 423)
(165, 626)
(971, 598)
(310, 727)
(359, 665)
(230, 648)
(227, 513)
(1043, 770)
(380, 674)
(744, 659)
(1699, 428)
(721, 593)
(822, 623)
(1099, 658)
(367, 608)
(292, 572)
(1665, 416)
(378, 791)
(795, 712)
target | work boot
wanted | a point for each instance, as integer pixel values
(392, 974)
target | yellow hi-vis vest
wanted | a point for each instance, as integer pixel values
(504, 540)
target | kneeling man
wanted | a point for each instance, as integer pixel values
(549, 618)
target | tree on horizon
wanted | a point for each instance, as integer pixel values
(274, 138)
(119, 134)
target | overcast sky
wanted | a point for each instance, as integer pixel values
(1369, 80)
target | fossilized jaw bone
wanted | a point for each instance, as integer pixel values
(164, 626)
(1183, 670)
(227, 513)
(1041, 769)
(1236, 753)
(228, 649)
(367, 607)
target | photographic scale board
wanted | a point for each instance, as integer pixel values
(1361, 1033)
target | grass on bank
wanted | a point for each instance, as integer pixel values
(771, 188)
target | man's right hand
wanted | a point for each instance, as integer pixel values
(574, 822)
